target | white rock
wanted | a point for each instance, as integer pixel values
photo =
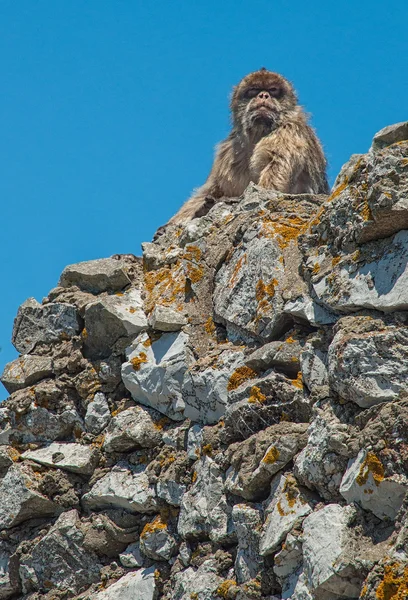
(20, 500)
(96, 276)
(194, 441)
(164, 318)
(247, 523)
(285, 507)
(97, 414)
(170, 491)
(131, 428)
(313, 364)
(364, 482)
(137, 585)
(201, 583)
(305, 309)
(76, 458)
(131, 557)
(329, 563)
(123, 487)
(24, 371)
(156, 542)
(204, 509)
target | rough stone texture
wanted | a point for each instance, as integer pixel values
(35, 324)
(76, 458)
(25, 371)
(96, 276)
(132, 428)
(253, 444)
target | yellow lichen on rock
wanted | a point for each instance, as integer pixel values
(373, 465)
(393, 586)
(256, 395)
(138, 360)
(239, 376)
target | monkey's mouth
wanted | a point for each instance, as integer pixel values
(262, 112)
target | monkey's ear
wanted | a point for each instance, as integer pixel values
(263, 69)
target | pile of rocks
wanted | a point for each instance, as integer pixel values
(225, 417)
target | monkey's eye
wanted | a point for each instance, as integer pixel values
(251, 93)
(274, 91)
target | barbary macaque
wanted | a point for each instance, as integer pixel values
(270, 144)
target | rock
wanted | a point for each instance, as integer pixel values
(137, 585)
(201, 583)
(25, 502)
(131, 428)
(257, 459)
(329, 560)
(24, 371)
(288, 564)
(113, 318)
(154, 372)
(97, 414)
(304, 309)
(6, 458)
(123, 487)
(156, 542)
(390, 135)
(247, 523)
(58, 561)
(96, 276)
(286, 507)
(8, 587)
(284, 356)
(164, 318)
(75, 458)
(170, 491)
(35, 324)
(132, 557)
(204, 510)
(365, 482)
(194, 441)
(313, 363)
(368, 362)
(321, 464)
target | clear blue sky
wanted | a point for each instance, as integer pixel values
(110, 111)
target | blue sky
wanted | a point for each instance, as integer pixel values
(110, 111)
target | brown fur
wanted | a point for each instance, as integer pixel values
(270, 144)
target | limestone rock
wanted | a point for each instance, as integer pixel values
(365, 482)
(368, 362)
(164, 318)
(123, 487)
(131, 428)
(136, 585)
(131, 557)
(24, 371)
(20, 499)
(113, 318)
(97, 414)
(285, 507)
(247, 523)
(96, 276)
(36, 324)
(59, 561)
(75, 458)
(201, 583)
(156, 541)
(329, 561)
(390, 135)
(284, 356)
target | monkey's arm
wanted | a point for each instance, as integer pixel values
(279, 158)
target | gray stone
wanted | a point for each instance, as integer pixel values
(35, 324)
(131, 428)
(164, 318)
(365, 482)
(20, 499)
(123, 487)
(97, 414)
(247, 523)
(170, 491)
(201, 583)
(283, 356)
(111, 318)
(389, 135)
(8, 585)
(156, 541)
(304, 308)
(204, 509)
(96, 276)
(75, 458)
(368, 363)
(137, 585)
(132, 557)
(285, 508)
(194, 441)
(329, 562)
(25, 371)
(59, 561)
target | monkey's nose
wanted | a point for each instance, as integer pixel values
(263, 95)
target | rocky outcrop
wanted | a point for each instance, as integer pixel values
(225, 417)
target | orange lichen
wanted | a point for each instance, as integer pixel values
(239, 376)
(156, 525)
(366, 212)
(132, 309)
(137, 361)
(192, 253)
(298, 382)
(286, 229)
(373, 465)
(161, 423)
(84, 334)
(194, 477)
(256, 395)
(165, 461)
(13, 454)
(207, 450)
(271, 456)
(194, 272)
(209, 326)
(316, 268)
(165, 286)
(224, 587)
(393, 586)
(240, 263)
(148, 342)
(335, 261)
(338, 190)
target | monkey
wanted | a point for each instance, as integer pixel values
(270, 144)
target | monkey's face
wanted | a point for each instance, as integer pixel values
(259, 99)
